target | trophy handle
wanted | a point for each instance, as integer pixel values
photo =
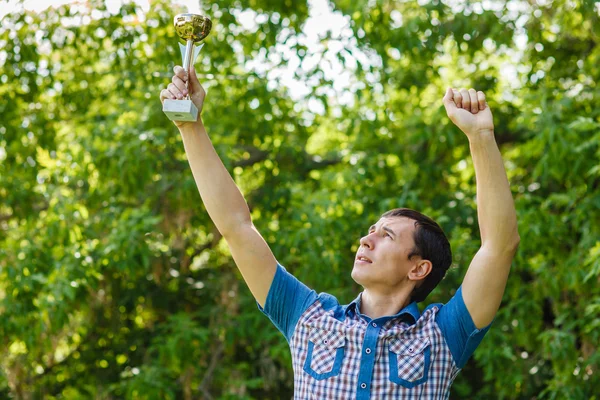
(189, 53)
(184, 52)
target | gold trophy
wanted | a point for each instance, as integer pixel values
(192, 29)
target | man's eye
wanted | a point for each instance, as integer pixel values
(388, 235)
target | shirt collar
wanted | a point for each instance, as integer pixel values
(411, 311)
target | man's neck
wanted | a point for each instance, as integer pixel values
(375, 305)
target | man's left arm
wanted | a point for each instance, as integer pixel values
(485, 281)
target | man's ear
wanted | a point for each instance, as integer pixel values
(420, 271)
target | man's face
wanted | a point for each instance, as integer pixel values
(381, 261)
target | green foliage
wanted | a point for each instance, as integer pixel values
(115, 284)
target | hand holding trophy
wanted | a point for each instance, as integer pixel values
(177, 99)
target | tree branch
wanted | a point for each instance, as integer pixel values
(207, 378)
(216, 238)
(256, 156)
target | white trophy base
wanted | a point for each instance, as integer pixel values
(180, 110)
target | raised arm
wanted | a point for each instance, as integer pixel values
(222, 198)
(485, 281)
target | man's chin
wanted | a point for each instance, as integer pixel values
(359, 276)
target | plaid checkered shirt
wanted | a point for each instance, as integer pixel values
(339, 353)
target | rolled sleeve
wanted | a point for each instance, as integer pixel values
(459, 330)
(287, 300)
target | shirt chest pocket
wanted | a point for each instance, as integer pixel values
(409, 361)
(325, 353)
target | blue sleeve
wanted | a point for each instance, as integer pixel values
(458, 329)
(287, 300)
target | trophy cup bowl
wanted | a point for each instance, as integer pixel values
(192, 29)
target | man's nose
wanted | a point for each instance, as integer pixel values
(366, 241)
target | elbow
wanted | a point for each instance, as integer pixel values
(234, 226)
(513, 240)
(515, 244)
(516, 239)
(503, 246)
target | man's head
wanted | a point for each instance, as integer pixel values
(403, 249)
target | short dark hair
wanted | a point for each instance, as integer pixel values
(430, 244)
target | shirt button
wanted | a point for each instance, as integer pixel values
(368, 351)
(363, 385)
(374, 324)
(411, 350)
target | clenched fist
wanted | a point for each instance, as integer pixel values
(469, 111)
(178, 90)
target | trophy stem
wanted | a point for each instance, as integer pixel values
(187, 62)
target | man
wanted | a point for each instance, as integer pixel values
(380, 345)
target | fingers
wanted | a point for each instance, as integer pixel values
(481, 100)
(176, 92)
(165, 94)
(178, 89)
(466, 99)
(180, 72)
(449, 102)
(473, 101)
(178, 86)
(449, 96)
(457, 98)
(469, 100)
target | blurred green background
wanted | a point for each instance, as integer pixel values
(115, 284)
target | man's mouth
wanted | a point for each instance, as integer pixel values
(364, 259)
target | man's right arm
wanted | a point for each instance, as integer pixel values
(229, 211)
(222, 198)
